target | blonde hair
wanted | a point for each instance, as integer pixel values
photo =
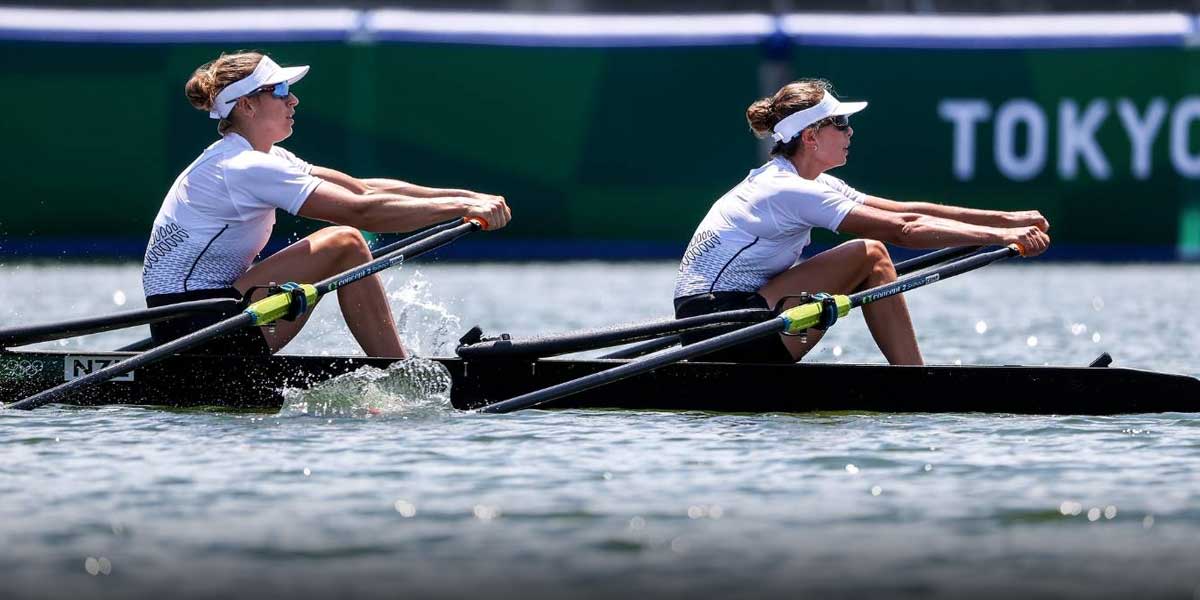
(211, 77)
(765, 113)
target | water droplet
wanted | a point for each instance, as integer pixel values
(1110, 512)
(1070, 508)
(104, 565)
(715, 512)
(1031, 341)
(695, 512)
(405, 508)
(876, 490)
(981, 327)
(1097, 303)
(679, 546)
(1093, 514)
(928, 467)
(91, 565)
(637, 524)
(307, 471)
(484, 512)
(1096, 337)
(851, 469)
(837, 350)
(1078, 329)
(119, 298)
(607, 476)
(958, 361)
(1148, 522)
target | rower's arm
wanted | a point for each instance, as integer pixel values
(388, 212)
(391, 186)
(974, 216)
(913, 230)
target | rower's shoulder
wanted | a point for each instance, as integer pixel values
(775, 178)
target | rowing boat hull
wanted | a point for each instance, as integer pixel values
(255, 383)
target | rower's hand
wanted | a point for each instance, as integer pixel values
(1032, 240)
(1023, 218)
(492, 209)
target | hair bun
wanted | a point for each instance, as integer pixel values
(761, 116)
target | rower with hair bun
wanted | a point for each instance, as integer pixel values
(219, 213)
(747, 252)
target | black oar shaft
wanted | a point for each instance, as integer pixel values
(644, 348)
(260, 313)
(422, 246)
(31, 334)
(917, 280)
(603, 338)
(147, 343)
(934, 258)
(645, 364)
(116, 370)
(416, 237)
(794, 320)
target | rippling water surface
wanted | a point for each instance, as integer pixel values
(419, 500)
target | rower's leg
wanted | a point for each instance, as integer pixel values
(325, 253)
(850, 267)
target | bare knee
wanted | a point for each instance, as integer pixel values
(347, 243)
(877, 262)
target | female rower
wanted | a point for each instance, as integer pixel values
(746, 253)
(219, 213)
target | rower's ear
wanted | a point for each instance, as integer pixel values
(808, 137)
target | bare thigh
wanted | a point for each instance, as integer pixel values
(316, 257)
(839, 270)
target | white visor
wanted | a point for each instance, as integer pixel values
(266, 73)
(793, 124)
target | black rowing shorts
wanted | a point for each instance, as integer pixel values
(769, 349)
(248, 340)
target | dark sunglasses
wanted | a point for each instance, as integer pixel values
(840, 122)
(279, 90)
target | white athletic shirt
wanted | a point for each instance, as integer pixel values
(219, 214)
(759, 228)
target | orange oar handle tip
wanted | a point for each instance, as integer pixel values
(1019, 248)
(480, 221)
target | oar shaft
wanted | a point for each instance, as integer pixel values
(416, 237)
(917, 280)
(936, 257)
(794, 320)
(396, 257)
(147, 343)
(31, 334)
(603, 338)
(263, 312)
(645, 364)
(116, 370)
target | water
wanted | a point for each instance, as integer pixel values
(418, 500)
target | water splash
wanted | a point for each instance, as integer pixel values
(407, 388)
(428, 326)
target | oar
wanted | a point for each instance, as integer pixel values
(288, 303)
(147, 343)
(552, 345)
(44, 332)
(416, 237)
(933, 258)
(793, 321)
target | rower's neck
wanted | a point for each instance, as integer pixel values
(807, 166)
(257, 141)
